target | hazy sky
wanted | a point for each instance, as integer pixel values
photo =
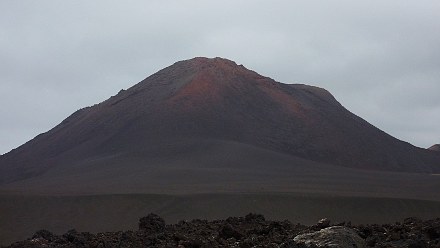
(381, 59)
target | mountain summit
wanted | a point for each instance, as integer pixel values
(204, 106)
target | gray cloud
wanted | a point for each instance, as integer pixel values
(381, 59)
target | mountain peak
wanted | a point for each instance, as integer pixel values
(199, 70)
(212, 82)
(211, 61)
(216, 66)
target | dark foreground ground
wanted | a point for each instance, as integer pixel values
(22, 215)
(253, 230)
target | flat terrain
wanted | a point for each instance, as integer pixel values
(21, 216)
(213, 166)
(204, 180)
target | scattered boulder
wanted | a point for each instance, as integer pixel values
(43, 234)
(336, 236)
(75, 238)
(152, 223)
(249, 231)
(293, 244)
(228, 231)
(323, 223)
(252, 217)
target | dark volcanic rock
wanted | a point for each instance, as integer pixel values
(337, 236)
(252, 217)
(250, 231)
(323, 223)
(151, 223)
(43, 234)
(228, 231)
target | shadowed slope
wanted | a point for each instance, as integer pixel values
(215, 99)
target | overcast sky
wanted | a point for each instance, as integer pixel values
(380, 59)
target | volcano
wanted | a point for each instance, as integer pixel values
(208, 120)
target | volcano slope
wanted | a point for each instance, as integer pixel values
(198, 108)
(211, 126)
